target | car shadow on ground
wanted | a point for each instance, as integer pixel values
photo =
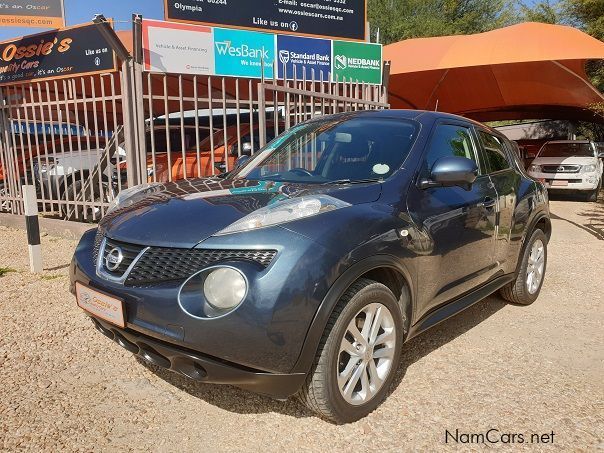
(240, 401)
(592, 215)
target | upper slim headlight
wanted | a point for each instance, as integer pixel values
(128, 197)
(285, 211)
(588, 168)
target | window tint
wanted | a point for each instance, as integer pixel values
(449, 141)
(334, 149)
(495, 155)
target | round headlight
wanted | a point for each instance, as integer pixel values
(224, 288)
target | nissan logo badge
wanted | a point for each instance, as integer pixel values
(114, 258)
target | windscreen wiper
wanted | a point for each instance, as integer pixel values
(352, 181)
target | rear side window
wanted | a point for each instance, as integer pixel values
(495, 154)
(449, 140)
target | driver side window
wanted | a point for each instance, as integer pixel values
(449, 140)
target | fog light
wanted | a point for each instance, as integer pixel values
(591, 180)
(225, 288)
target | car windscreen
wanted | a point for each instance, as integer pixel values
(335, 149)
(177, 137)
(566, 150)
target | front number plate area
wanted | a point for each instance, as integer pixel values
(101, 305)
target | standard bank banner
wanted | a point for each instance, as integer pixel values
(171, 47)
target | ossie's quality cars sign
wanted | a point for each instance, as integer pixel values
(56, 54)
(32, 13)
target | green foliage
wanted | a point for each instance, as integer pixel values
(544, 12)
(404, 19)
(6, 270)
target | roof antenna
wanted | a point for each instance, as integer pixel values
(436, 107)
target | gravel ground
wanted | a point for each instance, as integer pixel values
(528, 370)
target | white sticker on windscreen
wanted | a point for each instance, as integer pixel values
(381, 169)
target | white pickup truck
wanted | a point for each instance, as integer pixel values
(570, 165)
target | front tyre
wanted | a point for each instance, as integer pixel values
(593, 194)
(358, 355)
(527, 286)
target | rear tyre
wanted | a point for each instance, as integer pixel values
(358, 355)
(88, 213)
(529, 280)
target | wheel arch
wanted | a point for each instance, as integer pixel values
(385, 269)
(540, 221)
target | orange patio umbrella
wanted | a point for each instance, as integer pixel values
(530, 70)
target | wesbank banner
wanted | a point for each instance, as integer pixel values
(61, 53)
(171, 47)
(241, 53)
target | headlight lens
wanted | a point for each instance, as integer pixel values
(128, 197)
(589, 168)
(285, 211)
(225, 288)
(535, 168)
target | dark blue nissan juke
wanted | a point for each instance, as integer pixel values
(305, 269)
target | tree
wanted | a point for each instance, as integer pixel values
(404, 19)
(588, 15)
(544, 12)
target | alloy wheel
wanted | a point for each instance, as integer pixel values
(535, 267)
(366, 354)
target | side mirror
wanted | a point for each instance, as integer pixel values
(452, 171)
(246, 149)
(242, 160)
(601, 155)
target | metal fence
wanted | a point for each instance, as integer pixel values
(81, 140)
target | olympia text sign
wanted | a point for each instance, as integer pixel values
(32, 13)
(193, 49)
(344, 19)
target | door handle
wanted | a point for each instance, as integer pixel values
(488, 203)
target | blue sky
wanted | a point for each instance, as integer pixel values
(80, 11)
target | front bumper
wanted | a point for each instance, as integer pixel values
(199, 367)
(567, 181)
(265, 333)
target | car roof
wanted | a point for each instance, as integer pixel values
(422, 116)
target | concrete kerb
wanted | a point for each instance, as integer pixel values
(53, 227)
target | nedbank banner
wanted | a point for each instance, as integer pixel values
(32, 13)
(57, 54)
(171, 47)
(357, 61)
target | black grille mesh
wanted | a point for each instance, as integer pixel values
(129, 252)
(167, 264)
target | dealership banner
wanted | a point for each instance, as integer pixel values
(32, 13)
(343, 19)
(241, 53)
(178, 48)
(171, 47)
(304, 57)
(357, 61)
(62, 53)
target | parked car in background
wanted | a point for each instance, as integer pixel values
(570, 165)
(305, 270)
(202, 162)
